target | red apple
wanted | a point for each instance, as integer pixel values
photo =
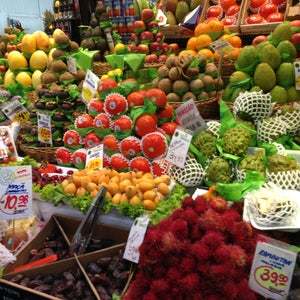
(275, 17)
(228, 21)
(146, 37)
(259, 39)
(267, 9)
(159, 37)
(156, 48)
(254, 19)
(147, 15)
(233, 10)
(133, 38)
(151, 58)
(153, 25)
(225, 4)
(174, 48)
(279, 2)
(142, 48)
(295, 23)
(296, 40)
(139, 26)
(132, 48)
(165, 47)
(162, 58)
(255, 4)
(214, 11)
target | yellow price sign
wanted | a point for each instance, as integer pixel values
(95, 163)
(22, 116)
(45, 134)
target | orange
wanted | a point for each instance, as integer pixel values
(234, 53)
(215, 26)
(208, 54)
(201, 28)
(235, 41)
(187, 52)
(203, 41)
(192, 43)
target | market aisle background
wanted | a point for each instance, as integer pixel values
(28, 12)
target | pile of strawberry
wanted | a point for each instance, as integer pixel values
(133, 130)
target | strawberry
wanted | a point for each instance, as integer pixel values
(91, 140)
(115, 104)
(130, 146)
(122, 124)
(145, 124)
(169, 128)
(157, 96)
(110, 143)
(136, 99)
(102, 121)
(154, 145)
(140, 163)
(63, 156)
(71, 138)
(95, 106)
(84, 121)
(106, 161)
(166, 113)
(79, 158)
(118, 162)
(107, 84)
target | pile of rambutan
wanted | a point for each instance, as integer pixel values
(202, 251)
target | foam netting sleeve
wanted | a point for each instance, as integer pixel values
(240, 175)
(270, 129)
(191, 175)
(255, 104)
(214, 127)
(286, 180)
(292, 120)
(280, 149)
(5, 256)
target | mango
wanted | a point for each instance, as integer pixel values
(28, 44)
(42, 40)
(38, 60)
(9, 78)
(36, 78)
(16, 60)
(24, 79)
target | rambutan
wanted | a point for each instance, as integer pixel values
(196, 232)
(180, 229)
(203, 268)
(178, 213)
(169, 243)
(244, 291)
(190, 216)
(159, 286)
(230, 290)
(219, 272)
(200, 251)
(150, 296)
(213, 239)
(233, 253)
(218, 204)
(188, 202)
(200, 205)
(190, 282)
(242, 231)
(212, 220)
(214, 297)
(188, 264)
(173, 274)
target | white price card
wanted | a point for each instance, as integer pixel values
(161, 17)
(199, 192)
(15, 111)
(94, 158)
(90, 86)
(44, 128)
(189, 117)
(136, 238)
(15, 192)
(71, 63)
(221, 46)
(297, 74)
(179, 147)
(272, 270)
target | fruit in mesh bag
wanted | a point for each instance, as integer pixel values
(206, 143)
(253, 162)
(236, 140)
(279, 163)
(219, 170)
(270, 129)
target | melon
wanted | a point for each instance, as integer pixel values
(38, 60)
(16, 60)
(42, 40)
(24, 79)
(36, 78)
(28, 44)
(9, 78)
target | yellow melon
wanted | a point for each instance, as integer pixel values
(9, 78)
(28, 44)
(36, 78)
(16, 60)
(42, 40)
(24, 79)
(38, 60)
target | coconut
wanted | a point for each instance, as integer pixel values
(196, 86)
(74, 46)
(66, 76)
(165, 85)
(62, 40)
(48, 77)
(175, 73)
(80, 75)
(180, 87)
(163, 71)
(172, 97)
(188, 96)
(58, 66)
(58, 53)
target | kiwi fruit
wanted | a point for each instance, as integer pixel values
(88, 44)
(165, 85)
(208, 82)
(74, 46)
(58, 66)
(188, 96)
(163, 72)
(66, 76)
(219, 83)
(196, 86)
(80, 75)
(211, 70)
(172, 61)
(203, 96)
(180, 87)
(62, 40)
(58, 53)
(172, 97)
(155, 82)
(175, 73)
(48, 77)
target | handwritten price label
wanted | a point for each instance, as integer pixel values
(15, 111)
(94, 158)
(22, 117)
(44, 128)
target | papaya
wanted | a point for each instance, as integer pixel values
(42, 40)
(28, 44)
(16, 60)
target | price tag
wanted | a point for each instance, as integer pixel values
(15, 192)
(94, 158)
(199, 192)
(161, 17)
(179, 147)
(189, 117)
(272, 270)
(71, 63)
(44, 128)
(136, 238)
(90, 86)
(297, 75)
(221, 46)
(15, 111)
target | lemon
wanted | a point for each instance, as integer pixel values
(111, 74)
(120, 48)
(118, 72)
(103, 77)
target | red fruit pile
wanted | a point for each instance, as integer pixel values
(226, 10)
(202, 251)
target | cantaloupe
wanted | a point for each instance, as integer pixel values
(9, 78)
(36, 78)
(24, 79)
(16, 60)
(28, 44)
(42, 40)
(38, 60)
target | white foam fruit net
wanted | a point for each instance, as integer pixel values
(280, 149)
(270, 129)
(269, 206)
(255, 104)
(240, 175)
(292, 120)
(6, 257)
(286, 180)
(191, 175)
(214, 127)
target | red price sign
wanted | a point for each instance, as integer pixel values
(14, 203)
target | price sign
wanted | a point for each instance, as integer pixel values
(297, 75)
(44, 128)
(179, 148)
(189, 117)
(94, 158)
(199, 192)
(221, 46)
(161, 17)
(272, 271)
(15, 111)
(15, 192)
(136, 238)
(71, 63)
(90, 86)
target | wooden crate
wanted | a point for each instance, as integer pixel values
(256, 29)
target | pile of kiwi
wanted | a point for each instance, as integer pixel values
(188, 77)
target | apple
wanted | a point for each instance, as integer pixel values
(162, 58)
(146, 37)
(151, 58)
(256, 4)
(295, 26)
(229, 20)
(133, 38)
(153, 25)
(279, 3)
(174, 48)
(267, 9)
(295, 39)
(254, 19)
(156, 48)
(233, 10)
(159, 37)
(275, 17)
(147, 15)
(165, 47)
(132, 48)
(139, 26)
(142, 48)
(259, 39)
(214, 11)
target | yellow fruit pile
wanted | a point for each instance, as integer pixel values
(134, 187)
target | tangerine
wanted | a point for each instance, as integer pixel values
(203, 40)
(208, 54)
(192, 43)
(201, 28)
